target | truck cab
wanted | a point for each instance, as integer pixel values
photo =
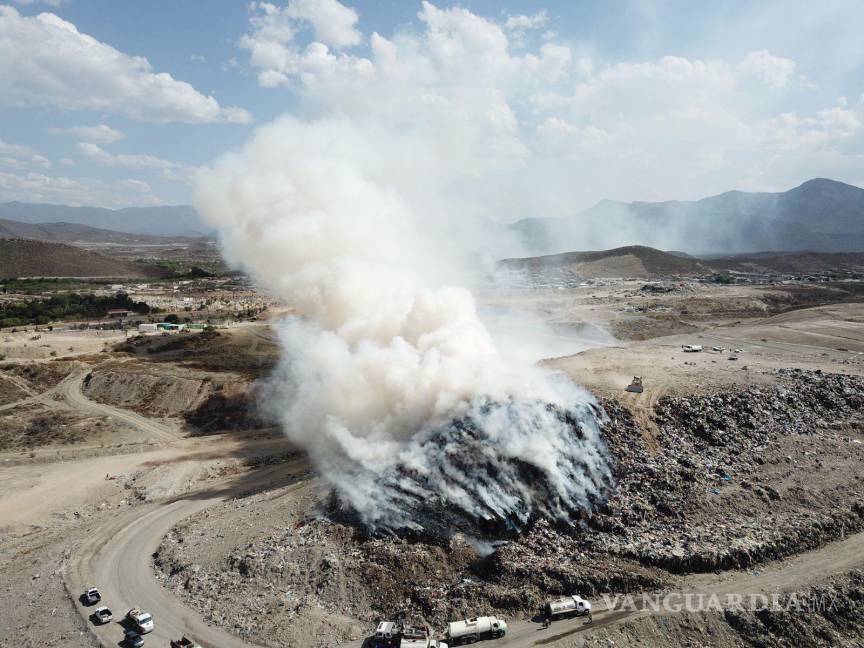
(386, 634)
(142, 621)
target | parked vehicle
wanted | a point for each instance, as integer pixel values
(691, 348)
(387, 634)
(91, 596)
(471, 630)
(102, 615)
(400, 635)
(567, 606)
(142, 621)
(133, 639)
(184, 642)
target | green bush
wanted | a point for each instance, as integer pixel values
(66, 307)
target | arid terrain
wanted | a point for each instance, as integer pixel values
(143, 465)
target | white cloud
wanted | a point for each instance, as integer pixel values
(52, 3)
(771, 70)
(20, 156)
(333, 22)
(139, 162)
(198, 58)
(550, 132)
(272, 43)
(101, 134)
(522, 22)
(37, 187)
(46, 61)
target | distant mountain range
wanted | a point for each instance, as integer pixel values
(80, 234)
(168, 220)
(648, 263)
(819, 215)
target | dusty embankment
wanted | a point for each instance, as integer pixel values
(728, 480)
(207, 380)
(826, 615)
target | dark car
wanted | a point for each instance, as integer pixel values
(133, 639)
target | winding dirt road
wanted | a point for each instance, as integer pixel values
(118, 558)
(70, 389)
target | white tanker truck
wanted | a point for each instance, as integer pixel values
(471, 630)
(401, 635)
(567, 606)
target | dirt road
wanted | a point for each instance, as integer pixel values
(70, 389)
(68, 392)
(118, 558)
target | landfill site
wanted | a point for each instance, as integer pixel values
(431, 323)
(142, 466)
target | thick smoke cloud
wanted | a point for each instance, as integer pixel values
(389, 378)
(368, 212)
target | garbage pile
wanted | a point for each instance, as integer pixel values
(729, 480)
(699, 504)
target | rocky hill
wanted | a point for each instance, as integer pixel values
(29, 258)
(821, 215)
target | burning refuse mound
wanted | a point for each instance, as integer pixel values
(419, 418)
(489, 473)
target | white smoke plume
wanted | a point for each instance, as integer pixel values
(363, 216)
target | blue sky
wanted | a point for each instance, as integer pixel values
(647, 100)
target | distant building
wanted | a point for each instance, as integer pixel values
(119, 312)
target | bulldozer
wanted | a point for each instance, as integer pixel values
(635, 385)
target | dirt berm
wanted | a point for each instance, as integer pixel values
(207, 401)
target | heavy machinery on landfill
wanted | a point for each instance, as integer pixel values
(635, 385)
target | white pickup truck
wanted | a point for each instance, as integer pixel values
(142, 621)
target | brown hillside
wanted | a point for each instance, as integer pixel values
(791, 262)
(75, 233)
(28, 258)
(630, 261)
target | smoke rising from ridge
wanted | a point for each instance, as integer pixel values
(389, 378)
(369, 215)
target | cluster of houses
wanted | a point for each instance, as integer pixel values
(170, 327)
